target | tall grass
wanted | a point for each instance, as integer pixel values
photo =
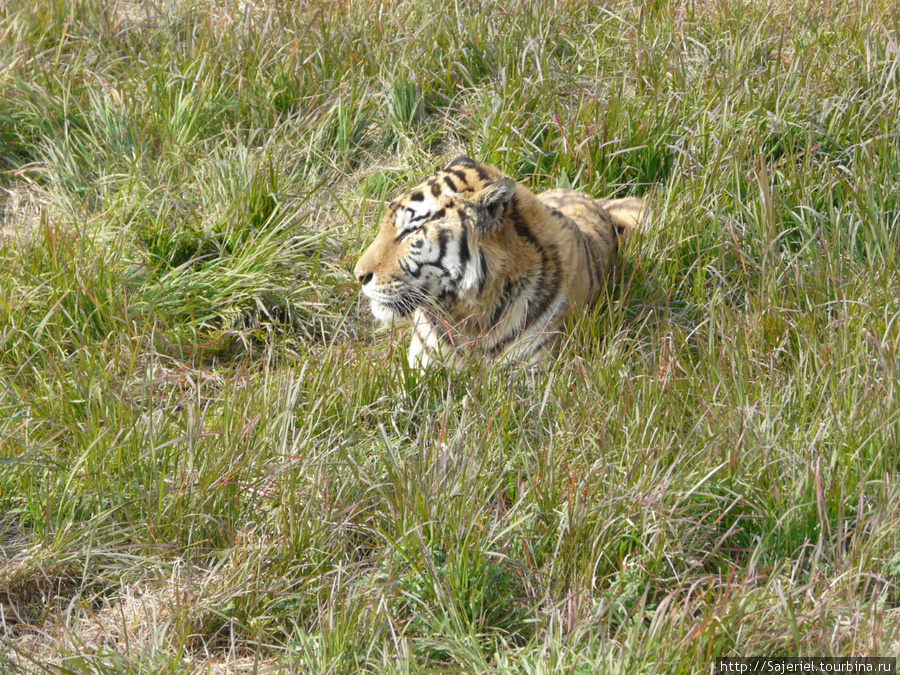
(213, 460)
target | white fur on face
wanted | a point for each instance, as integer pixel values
(428, 269)
(415, 214)
(381, 312)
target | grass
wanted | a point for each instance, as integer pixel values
(211, 460)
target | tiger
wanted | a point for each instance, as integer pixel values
(479, 263)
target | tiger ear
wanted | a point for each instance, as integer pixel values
(490, 203)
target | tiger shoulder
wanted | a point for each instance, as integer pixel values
(478, 262)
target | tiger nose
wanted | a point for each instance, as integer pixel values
(362, 276)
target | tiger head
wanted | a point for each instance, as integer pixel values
(427, 251)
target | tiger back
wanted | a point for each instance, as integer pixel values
(478, 262)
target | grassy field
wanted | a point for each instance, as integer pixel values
(212, 460)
